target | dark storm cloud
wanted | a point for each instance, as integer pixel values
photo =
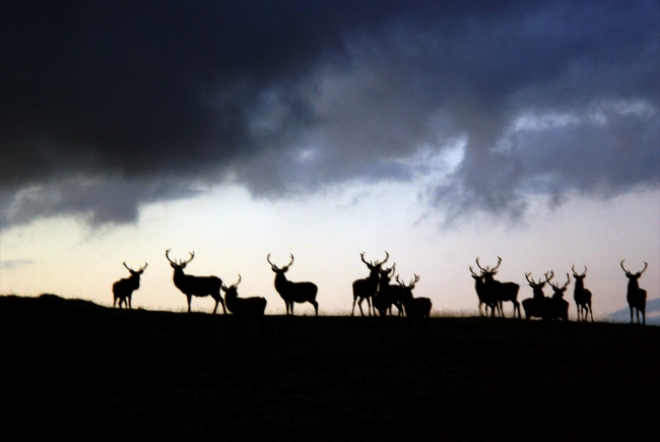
(109, 105)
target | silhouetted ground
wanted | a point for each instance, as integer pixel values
(72, 367)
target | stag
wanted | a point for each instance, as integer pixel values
(483, 294)
(636, 297)
(199, 286)
(417, 309)
(124, 288)
(387, 294)
(292, 292)
(366, 288)
(244, 307)
(500, 291)
(534, 307)
(582, 296)
(558, 306)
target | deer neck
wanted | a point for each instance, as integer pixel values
(538, 292)
(579, 285)
(179, 277)
(281, 282)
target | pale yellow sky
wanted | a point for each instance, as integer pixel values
(232, 233)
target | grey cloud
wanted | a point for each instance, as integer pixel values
(12, 264)
(287, 97)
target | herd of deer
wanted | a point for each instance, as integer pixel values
(381, 295)
(493, 293)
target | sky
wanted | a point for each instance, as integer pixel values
(438, 133)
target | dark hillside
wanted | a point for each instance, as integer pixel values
(72, 367)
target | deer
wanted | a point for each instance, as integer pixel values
(244, 307)
(199, 286)
(387, 294)
(582, 296)
(500, 291)
(635, 296)
(483, 294)
(417, 309)
(366, 288)
(123, 289)
(292, 292)
(558, 306)
(534, 307)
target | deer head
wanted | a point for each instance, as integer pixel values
(386, 274)
(136, 272)
(181, 264)
(559, 291)
(279, 270)
(633, 276)
(232, 288)
(410, 286)
(475, 276)
(533, 284)
(374, 266)
(488, 272)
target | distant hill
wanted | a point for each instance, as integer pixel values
(652, 310)
(73, 367)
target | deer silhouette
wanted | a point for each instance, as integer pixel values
(254, 306)
(558, 306)
(582, 296)
(635, 296)
(500, 291)
(534, 307)
(366, 288)
(123, 289)
(387, 294)
(484, 295)
(199, 286)
(292, 292)
(417, 309)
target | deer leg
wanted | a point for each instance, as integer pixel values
(316, 307)
(591, 312)
(354, 301)
(189, 301)
(130, 307)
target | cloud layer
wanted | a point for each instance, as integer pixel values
(109, 105)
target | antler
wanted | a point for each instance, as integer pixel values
(474, 274)
(142, 268)
(375, 263)
(237, 282)
(479, 265)
(181, 262)
(412, 283)
(387, 256)
(575, 273)
(624, 269)
(565, 285)
(548, 278)
(531, 281)
(279, 268)
(499, 261)
(129, 269)
(646, 264)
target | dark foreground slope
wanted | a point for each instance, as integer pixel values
(72, 367)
